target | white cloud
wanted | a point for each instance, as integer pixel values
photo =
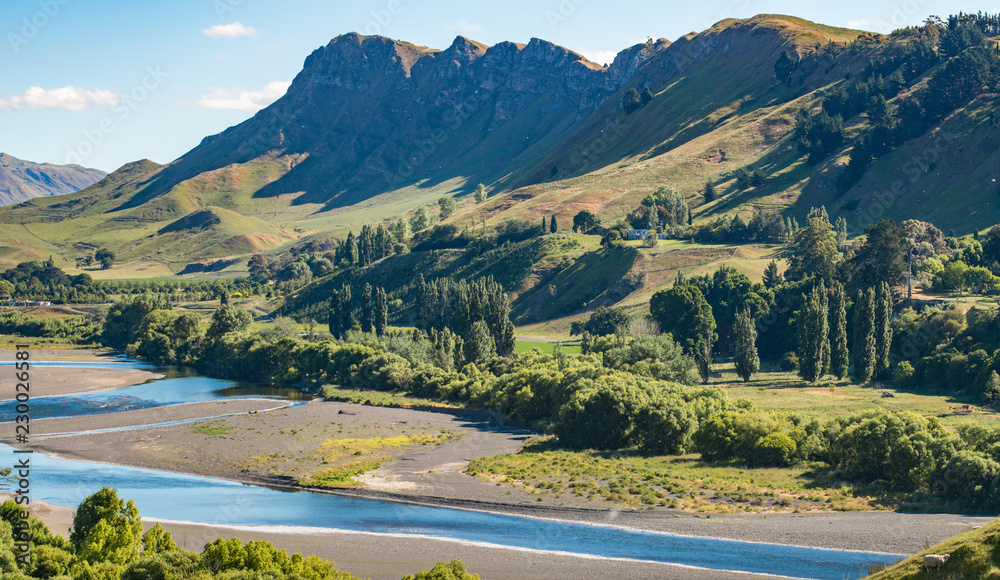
(463, 26)
(232, 30)
(242, 99)
(863, 24)
(68, 98)
(599, 56)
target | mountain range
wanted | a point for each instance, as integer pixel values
(372, 128)
(23, 180)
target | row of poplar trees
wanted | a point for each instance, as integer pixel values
(372, 245)
(373, 311)
(822, 333)
(469, 309)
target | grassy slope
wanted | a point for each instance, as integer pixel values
(974, 554)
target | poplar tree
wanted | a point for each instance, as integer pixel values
(864, 336)
(552, 225)
(336, 320)
(745, 336)
(381, 312)
(883, 330)
(839, 355)
(813, 334)
(544, 226)
(346, 315)
(352, 248)
(367, 309)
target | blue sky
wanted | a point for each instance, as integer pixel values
(102, 83)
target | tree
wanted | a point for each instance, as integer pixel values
(421, 219)
(480, 193)
(864, 336)
(883, 329)
(665, 426)
(772, 276)
(631, 101)
(601, 416)
(646, 97)
(839, 354)
(653, 221)
(879, 112)
(447, 205)
(552, 225)
(106, 528)
(784, 66)
(671, 201)
(651, 239)
(367, 309)
(106, 257)
(381, 312)
(684, 313)
(454, 570)
(812, 325)
(605, 321)
(882, 258)
(585, 221)
(480, 348)
(745, 337)
(815, 252)
(351, 249)
(226, 319)
(544, 226)
(709, 192)
(157, 540)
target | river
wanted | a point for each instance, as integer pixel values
(219, 502)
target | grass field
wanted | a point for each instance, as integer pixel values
(634, 481)
(781, 391)
(545, 347)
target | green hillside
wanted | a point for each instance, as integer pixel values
(974, 554)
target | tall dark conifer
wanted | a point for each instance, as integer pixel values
(839, 354)
(864, 336)
(883, 329)
(367, 309)
(381, 312)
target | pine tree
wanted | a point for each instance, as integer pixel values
(367, 309)
(864, 336)
(709, 192)
(381, 312)
(772, 277)
(839, 355)
(883, 329)
(552, 225)
(745, 337)
(813, 334)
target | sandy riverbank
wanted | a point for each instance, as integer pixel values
(52, 381)
(238, 447)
